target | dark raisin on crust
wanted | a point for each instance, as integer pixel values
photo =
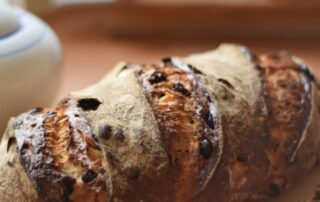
(105, 131)
(157, 77)
(206, 148)
(178, 87)
(89, 104)
(89, 176)
(133, 173)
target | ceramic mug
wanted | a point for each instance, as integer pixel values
(30, 63)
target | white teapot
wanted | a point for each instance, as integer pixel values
(30, 63)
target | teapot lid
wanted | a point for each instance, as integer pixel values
(9, 21)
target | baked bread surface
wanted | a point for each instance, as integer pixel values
(225, 125)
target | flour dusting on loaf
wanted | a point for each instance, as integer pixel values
(227, 125)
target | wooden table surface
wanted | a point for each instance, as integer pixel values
(90, 51)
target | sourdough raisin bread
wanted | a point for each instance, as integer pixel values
(221, 126)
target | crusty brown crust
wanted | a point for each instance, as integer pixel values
(60, 154)
(188, 123)
(288, 96)
(250, 124)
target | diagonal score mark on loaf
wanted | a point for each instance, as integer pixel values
(58, 151)
(288, 93)
(292, 144)
(232, 80)
(189, 123)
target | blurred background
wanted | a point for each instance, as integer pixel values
(96, 34)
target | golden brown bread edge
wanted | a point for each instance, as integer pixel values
(225, 125)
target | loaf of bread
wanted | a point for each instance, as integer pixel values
(221, 126)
